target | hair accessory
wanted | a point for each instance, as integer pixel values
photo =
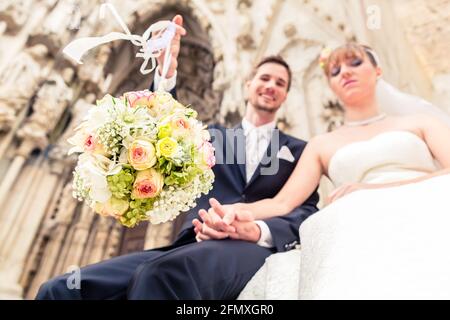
(324, 56)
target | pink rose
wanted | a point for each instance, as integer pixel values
(180, 122)
(112, 208)
(142, 154)
(91, 145)
(206, 150)
(148, 184)
(144, 98)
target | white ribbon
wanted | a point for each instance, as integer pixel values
(150, 48)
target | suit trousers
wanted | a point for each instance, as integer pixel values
(211, 270)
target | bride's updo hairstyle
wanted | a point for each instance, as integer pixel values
(329, 58)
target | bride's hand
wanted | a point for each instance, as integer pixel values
(346, 189)
(215, 219)
(213, 226)
(203, 232)
(230, 212)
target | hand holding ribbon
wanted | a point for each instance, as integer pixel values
(151, 47)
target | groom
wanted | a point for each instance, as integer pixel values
(254, 161)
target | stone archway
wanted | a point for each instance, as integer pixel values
(194, 87)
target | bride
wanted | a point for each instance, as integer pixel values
(385, 234)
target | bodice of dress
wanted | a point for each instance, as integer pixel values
(389, 156)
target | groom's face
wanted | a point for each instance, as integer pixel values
(269, 87)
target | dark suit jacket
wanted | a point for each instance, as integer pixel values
(230, 184)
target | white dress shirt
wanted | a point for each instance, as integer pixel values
(170, 82)
(256, 143)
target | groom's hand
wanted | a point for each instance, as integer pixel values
(243, 228)
(246, 227)
(203, 232)
(242, 221)
(174, 48)
(224, 214)
(233, 217)
(214, 226)
(215, 221)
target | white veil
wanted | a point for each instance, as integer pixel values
(395, 102)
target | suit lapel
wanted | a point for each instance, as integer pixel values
(269, 157)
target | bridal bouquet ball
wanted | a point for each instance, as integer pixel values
(144, 156)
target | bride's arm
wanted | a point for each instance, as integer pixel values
(301, 184)
(437, 137)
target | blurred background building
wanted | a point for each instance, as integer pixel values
(44, 231)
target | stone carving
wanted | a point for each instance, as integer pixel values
(217, 6)
(333, 115)
(3, 27)
(60, 25)
(92, 71)
(14, 13)
(88, 23)
(196, 78)
(290, 31)
(51, 101)
(19, 81)
(78, 112)
(245, 38)
(426, 23)
(231, 92)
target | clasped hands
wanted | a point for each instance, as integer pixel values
(226, 221)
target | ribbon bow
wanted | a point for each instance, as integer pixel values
(150, 48)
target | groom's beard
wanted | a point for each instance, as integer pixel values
(266, 109)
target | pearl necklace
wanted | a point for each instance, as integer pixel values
(366, 122)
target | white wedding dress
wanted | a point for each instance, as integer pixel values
(389, 243)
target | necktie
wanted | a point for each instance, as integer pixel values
(253, 141)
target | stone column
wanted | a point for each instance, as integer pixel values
(112, 247)
(101, 238)
(5, 143)
(20, 224)
(57, 230)
(77, 245)
(158, 236)
(11, 176)
(23, 214)
(41, 261)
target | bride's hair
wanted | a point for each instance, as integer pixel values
(347, 51)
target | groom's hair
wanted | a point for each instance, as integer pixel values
(273, 59)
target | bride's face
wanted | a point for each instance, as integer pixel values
(352, 77)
